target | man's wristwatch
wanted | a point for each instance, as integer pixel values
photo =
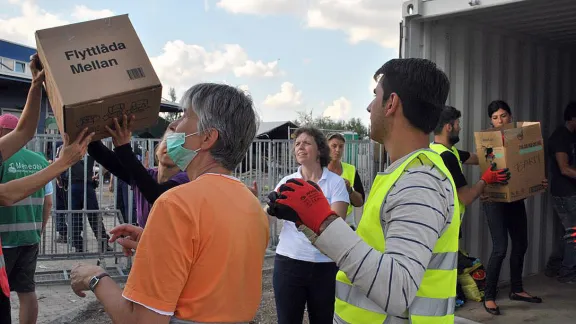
(351, 190)
(95, 280)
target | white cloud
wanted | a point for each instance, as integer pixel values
(83, 13)
(288, 96)
(21, 28)
(339, 109)
(181, 65)
(262, 7)
(361, 20)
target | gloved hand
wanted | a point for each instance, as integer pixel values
(570, 237)
(301, 202)
(493, 175)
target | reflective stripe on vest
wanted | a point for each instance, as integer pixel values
(18, 227)
(435, 299)
(4, 286)
(29, 201)
(440, 148)
(349, 173)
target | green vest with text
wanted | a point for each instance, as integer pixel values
(21, 223)
(436, 296)
(439, 148)
(349, 173)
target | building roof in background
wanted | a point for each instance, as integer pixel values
(275, 129)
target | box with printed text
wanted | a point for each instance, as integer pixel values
(518, 147)
(95, 71)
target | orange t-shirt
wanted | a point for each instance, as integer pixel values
(200, 257)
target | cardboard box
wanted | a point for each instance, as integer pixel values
(518, 147)
(95, 71)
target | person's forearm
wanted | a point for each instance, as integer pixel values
(26, 128)
(356, 199)
(46, 214)
(569, 172)
(395, 286)
(16, 190)
(472, 160)
(117, 307)
(467, 195)
(31, 112)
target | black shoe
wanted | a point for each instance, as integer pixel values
(493, 311)
(531, 299)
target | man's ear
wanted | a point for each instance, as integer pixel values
(209, 139)
(391, 105)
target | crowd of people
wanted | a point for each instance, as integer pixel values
(201, 235)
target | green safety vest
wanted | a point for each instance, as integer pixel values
(21, 223)
(349, 173)
(435, 299)
(440, 148)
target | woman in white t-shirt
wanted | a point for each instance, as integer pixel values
(302, 274)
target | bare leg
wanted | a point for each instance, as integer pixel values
(28, 308)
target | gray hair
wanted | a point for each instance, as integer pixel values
(228, 110)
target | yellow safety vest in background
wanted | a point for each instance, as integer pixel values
(349, 173)
(440, 148)
(435, 299)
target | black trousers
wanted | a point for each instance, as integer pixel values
(300, 283)
(5, 310)
(506, 219)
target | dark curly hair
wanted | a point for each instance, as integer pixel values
(321, 142)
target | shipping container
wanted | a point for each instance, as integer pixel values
(520, 51)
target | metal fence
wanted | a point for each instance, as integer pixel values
(83, 213)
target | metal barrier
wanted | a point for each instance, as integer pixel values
(84, 212)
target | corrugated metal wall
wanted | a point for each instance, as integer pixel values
(537, 80)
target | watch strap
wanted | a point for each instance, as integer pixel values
(96, 279)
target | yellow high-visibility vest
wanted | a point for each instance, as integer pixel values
(349, 173)
(439, 148)
(436, 297)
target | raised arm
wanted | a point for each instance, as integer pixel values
(16, 190)
(26, 128)
(109, 160)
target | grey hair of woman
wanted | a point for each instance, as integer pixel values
(230, 111)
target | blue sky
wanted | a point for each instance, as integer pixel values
(291, 55)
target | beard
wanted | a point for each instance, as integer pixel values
(454, 138)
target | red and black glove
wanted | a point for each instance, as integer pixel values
(570, 236)
(301, 202)
(493, 175)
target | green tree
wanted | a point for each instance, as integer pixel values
(306, 118)
(172, 94)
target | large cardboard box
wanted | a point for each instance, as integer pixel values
(95, 71)
(518, 147)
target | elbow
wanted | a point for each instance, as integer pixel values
(6, 201)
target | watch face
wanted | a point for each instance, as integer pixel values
(93, 283)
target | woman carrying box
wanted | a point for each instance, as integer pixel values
(506, 219)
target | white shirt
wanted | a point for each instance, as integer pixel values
(293, 243)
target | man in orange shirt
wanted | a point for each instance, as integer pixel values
(200, 256)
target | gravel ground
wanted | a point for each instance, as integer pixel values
(95, 314)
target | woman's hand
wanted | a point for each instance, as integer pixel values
(127, 236)
(121, 135)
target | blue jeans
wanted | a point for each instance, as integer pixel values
(300, 283)
(565, 208)
(506, 219)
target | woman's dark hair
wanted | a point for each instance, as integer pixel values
(321, 142)
(498, 104)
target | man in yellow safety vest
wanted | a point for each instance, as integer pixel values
(400, 264)
(446, 135)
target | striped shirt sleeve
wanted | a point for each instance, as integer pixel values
(416, 211)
